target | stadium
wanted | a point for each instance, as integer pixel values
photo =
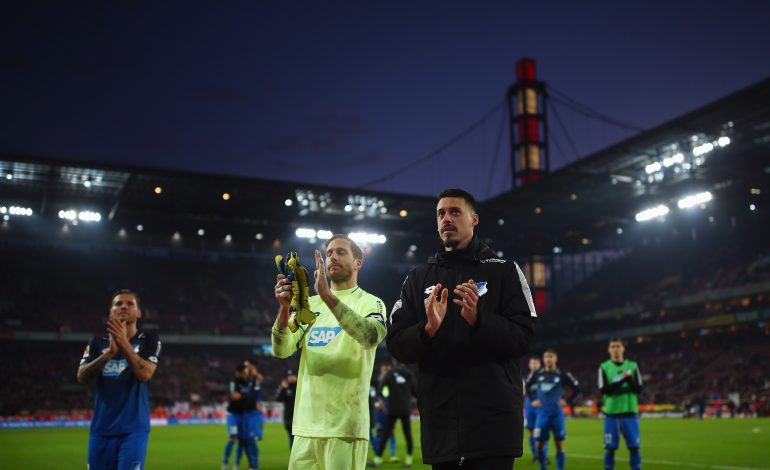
(660, 240)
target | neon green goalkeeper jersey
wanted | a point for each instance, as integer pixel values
(335, 365)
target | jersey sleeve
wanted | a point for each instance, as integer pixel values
(91, 352)
(150, 350)
(407, 340)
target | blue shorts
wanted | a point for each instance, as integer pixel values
(548, 423)
(530, 415)
(233, 423)
(252, 423)
(122, 452)
(628, 425)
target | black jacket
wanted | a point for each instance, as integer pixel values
(469, 384)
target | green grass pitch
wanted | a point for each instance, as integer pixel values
(738, 444)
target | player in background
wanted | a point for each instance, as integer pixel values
(620, 383)
(549, 383)
(331, 413)
(123, 362)
(377, 415)
(286, 395)
(234, 415)
(530, 412)
(397, 387)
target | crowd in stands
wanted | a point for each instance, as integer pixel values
(723, 368)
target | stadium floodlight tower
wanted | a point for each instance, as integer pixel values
(528, 129)
(529, 158)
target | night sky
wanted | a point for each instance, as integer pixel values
(345, 93)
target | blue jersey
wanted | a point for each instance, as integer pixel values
(251, 394)
(122, 402)
(531, 390)
(550, 388)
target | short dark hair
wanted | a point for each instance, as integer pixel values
(357, 253)
(461, 193)
(127, 292)
(550, 350)
(615, 340)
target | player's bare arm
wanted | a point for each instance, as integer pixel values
(88, 371)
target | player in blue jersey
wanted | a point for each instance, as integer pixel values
(530, 412)
(123, 362)
(549, 383)
(235, 416)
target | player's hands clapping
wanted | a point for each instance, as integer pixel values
(469, 297)
(321, 284)
(435, 311)
(118, 338)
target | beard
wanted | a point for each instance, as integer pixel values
(342, 274)
(450, 242)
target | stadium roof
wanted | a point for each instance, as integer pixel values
(593, 198)
(578, 207)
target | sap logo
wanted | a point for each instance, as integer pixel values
(114, 367)
(322, 336)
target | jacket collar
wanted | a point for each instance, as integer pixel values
(474, 252)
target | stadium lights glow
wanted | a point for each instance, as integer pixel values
(324, 234)
(15, 210)
(403, 213)
(228, 238)
(500, 221)
(556, 250)
(652, 213)
(752, 207)
(259, 236)
(305, 232)
(367, 238)
(122, 233)
(723, 141)
(176, 236)
(703, 149)
(201, 232)
(158, 190)
(9, 176)
(694, 200)
(288, 202)
(652, 168)
(83, 216)
(89, 216)
(226, 196)
(139, 228)
(348, 208)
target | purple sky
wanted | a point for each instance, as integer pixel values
(342, 93)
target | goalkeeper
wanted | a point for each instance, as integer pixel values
(338, 343)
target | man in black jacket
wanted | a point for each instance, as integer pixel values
(469, 386)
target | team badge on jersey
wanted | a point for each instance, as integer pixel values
(321, 336)
(481, 286)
